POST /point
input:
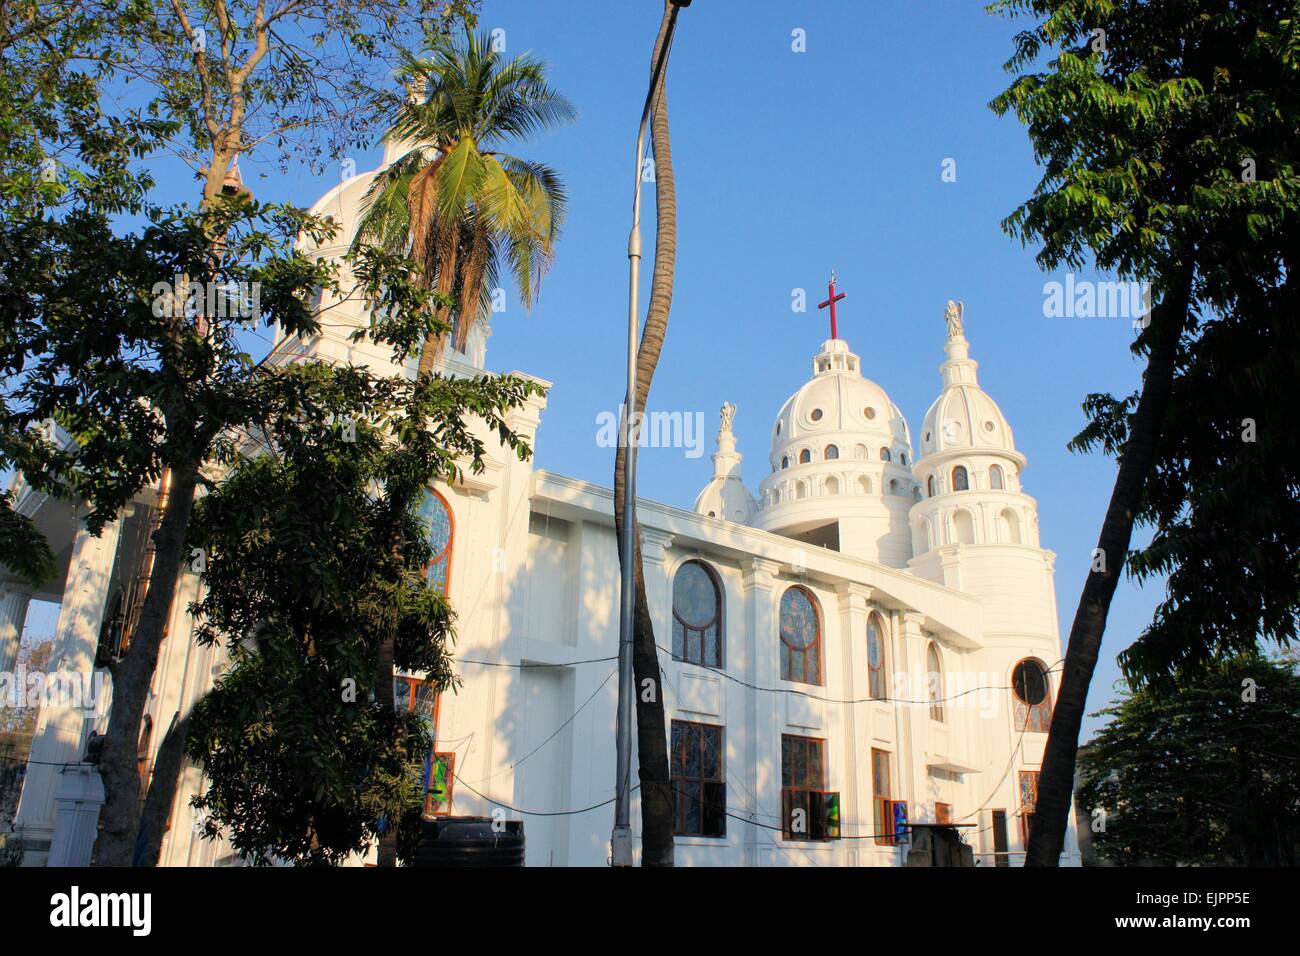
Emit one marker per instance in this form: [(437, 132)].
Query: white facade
[(534, 578)]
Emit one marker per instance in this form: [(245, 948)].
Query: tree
[(1207, 774), (304, 76), (303, 584), (465, 210), (657, 799), (1142, 121)]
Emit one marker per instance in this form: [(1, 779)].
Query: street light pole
[(621, 839)]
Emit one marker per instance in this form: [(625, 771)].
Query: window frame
[(997, 478), (1032, 718), (720, 780), (787, 649), (965, 477), (882, 801), (934, 688), (877, 675), (717, 622), (1027, 807), (444, 556), (807, 794)]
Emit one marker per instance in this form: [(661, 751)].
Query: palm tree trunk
[(1056, 781), (657, 818)]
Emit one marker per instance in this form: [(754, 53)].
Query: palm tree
[(465, 211), (654, 774)]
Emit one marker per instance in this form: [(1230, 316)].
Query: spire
[(725, 496), (726, 461), (959, 368)]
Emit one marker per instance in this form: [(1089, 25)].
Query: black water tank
[(470, 841)]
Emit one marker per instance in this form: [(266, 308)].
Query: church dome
[(964, 418), (838, 408), (840, 463)]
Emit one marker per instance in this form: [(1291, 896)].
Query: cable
[(570, 720), (542, 813), (860, 700)]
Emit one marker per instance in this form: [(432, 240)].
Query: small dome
[(838, 406), (964, 417), (726, 496)]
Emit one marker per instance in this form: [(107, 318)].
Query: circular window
[(869, 412), (1029, 681), (816, 414), (988, 426)]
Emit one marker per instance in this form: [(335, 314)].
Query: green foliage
[(1174, 148), (314, 554), (466, 209), (1206, 775)]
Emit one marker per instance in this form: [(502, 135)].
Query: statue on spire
[(955, 314), (728, 413)]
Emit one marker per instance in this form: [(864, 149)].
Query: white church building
[(866, 641)]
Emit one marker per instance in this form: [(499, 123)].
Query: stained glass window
[(699, 791), (1031, 696), (960, 480), (437, 518), (800, 638), (808, 811), (697, 615), (882, 809), (876, 658), (995, 478), (832, 453), (1028, 802)]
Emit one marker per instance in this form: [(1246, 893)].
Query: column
[(658, 589), (61, 732), (15, 598), (911, 659), (855, 805), (762, 743)]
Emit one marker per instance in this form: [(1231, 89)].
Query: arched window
[(864, 485), (805, 456), (960, 480), (832, 485), (929, 485), (436, 515), (801, 637), (876, 658), (860, 452), (1032, 696), (697, 615), (884, 454), (894, 487), (996, 481), (785, 461), (963, 527), (800, 489), (902, 458), (832, 453), (934, 682)]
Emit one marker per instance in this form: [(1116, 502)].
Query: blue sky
[(788, 165)]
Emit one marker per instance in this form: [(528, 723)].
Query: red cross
[(832, 298)]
